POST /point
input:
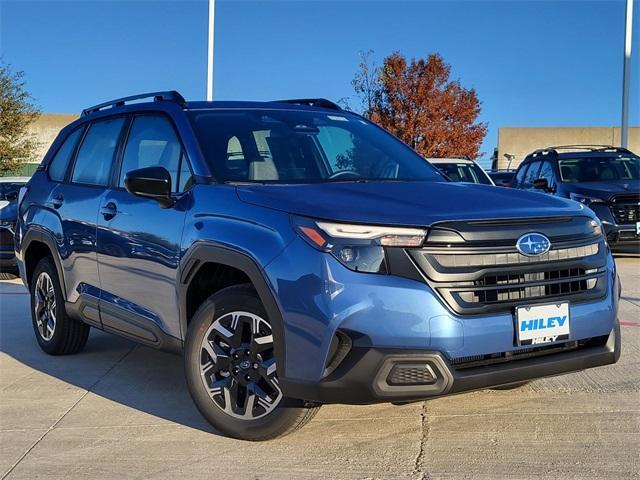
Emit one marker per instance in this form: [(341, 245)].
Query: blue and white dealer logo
[(533, 244)]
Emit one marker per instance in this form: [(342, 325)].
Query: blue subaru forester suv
[(297, 254)]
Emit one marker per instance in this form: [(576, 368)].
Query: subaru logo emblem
[(533, 244)]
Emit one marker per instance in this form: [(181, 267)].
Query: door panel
[(138, 241), (138, 260), (77, 206)]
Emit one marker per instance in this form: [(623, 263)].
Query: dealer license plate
[(538, 324)]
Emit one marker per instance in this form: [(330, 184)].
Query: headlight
[(585, 199), (597, 226), (357, 247)]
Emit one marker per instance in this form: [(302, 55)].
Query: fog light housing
[(411, 374)]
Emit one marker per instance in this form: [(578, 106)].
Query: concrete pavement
[(118, 410)]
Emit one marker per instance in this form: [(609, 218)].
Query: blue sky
[(539, 63)]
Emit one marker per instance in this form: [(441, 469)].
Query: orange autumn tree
[(421, 105)]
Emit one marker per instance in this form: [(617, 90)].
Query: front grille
[(6, 237), (475, 279), (530, 285), (514, 258), (626, 209), (460, 363)]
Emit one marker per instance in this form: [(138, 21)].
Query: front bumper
[(389, 319), (365, 378)]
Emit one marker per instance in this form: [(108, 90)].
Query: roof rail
[(168, 96), (313, 102), (589, 147)]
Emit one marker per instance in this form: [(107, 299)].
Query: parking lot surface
[(119, 410)]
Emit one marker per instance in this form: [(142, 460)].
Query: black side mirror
[(150, 182), (541, 184)]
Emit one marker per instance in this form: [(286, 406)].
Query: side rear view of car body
[(297, 255)]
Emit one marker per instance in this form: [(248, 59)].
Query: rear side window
[(153, 143), (58, 166), (547, 172), (517, 182), (532, 174), (96, 153)]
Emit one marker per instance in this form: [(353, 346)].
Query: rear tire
[(56, 332), (231, 369)]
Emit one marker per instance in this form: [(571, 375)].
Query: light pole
[(212, 13), (626, 77)]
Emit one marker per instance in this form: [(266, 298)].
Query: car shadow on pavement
[(111, 367)]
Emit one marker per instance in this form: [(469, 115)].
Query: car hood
[(405, 203), (605, 190)]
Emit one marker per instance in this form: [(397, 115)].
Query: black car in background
[(502, 178), (604, 178), (9, 188)]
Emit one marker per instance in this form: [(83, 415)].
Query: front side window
[(96, 154), (58, 166), (464, 172), (153, 142), (287, 146), (599, 169)]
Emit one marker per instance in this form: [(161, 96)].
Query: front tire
[(231, 369), (56, 332)]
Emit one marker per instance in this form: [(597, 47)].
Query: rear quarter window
[(58, 165)]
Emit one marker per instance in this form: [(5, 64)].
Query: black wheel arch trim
[(204, 252), (48, 239)]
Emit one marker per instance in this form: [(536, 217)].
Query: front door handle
[(109, 211)]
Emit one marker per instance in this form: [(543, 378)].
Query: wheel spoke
[(230, 348), (267, 369), (262, 344)]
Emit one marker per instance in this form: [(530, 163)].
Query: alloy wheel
[(45, 306), (238, 367)]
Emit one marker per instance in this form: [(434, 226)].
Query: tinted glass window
[(599, 169), (547, 172), (532, 174), (96, 153), (153, 142), (464, 172), (517, 182), (58, 166), (288, 146)]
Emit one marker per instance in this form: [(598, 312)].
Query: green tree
[(17, 113)]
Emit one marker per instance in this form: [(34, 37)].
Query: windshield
[(9, 187), (599, 169), (285, 146), (464, 172)]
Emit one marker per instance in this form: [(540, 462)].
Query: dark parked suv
[(603, 178), (297, 254)]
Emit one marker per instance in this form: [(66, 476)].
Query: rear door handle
[(57, 201), (109, 211)]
